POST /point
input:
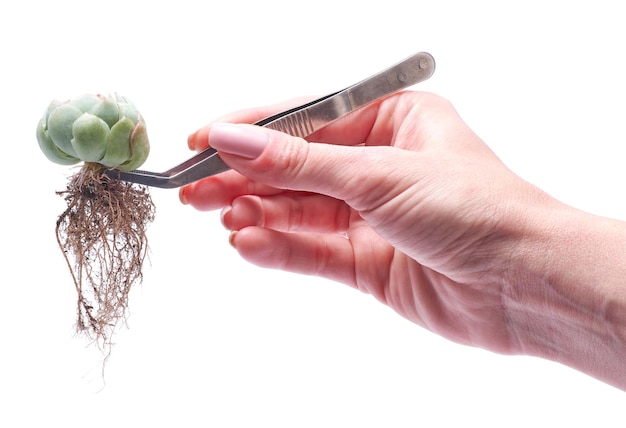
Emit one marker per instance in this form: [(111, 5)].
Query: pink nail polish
[(231, 238), (182, 195), (225, 216), (242, 140)]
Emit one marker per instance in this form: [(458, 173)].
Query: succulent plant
[(94, 128)]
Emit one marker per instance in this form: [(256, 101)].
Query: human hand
[(417, 212), (403, 201)]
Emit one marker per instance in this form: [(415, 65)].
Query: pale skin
[(402, 200)]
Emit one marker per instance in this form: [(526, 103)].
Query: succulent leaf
[(90, 135), (60, 124), (117, 147), (140, 148), (50, 149)]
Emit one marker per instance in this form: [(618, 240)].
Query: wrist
[(566, 293)]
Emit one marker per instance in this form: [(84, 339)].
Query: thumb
[(363, 176)]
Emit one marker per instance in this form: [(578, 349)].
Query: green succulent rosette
[(94, 128)]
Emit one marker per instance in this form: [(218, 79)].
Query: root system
[(102, 234)]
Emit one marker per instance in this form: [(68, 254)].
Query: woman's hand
[(403, 201)]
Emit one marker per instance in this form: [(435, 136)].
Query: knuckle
[(289, 163)]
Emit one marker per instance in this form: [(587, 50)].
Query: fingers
[(310, 234), (328, 256), (219, 191), (306, 233), (288, 212)]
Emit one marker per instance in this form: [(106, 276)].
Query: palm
[(466, 312)]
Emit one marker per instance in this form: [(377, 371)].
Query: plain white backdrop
[(213, 341)]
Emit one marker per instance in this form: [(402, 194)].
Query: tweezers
[(300, 121)]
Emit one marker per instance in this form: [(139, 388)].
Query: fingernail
[(191, 142), (231, 238), (225, 216), (241, 140), (199, 139), (182, 195)]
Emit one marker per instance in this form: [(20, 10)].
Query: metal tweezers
[(299, 121)]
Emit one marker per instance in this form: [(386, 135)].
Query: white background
[(213, 341)]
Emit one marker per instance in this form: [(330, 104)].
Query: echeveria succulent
[(94, 128)]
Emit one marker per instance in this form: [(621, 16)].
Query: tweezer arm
[(300, 121), (305, 120)]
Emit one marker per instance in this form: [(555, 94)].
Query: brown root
[(102, 234)]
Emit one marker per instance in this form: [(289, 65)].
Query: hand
[(420, 217), (403, 201)]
